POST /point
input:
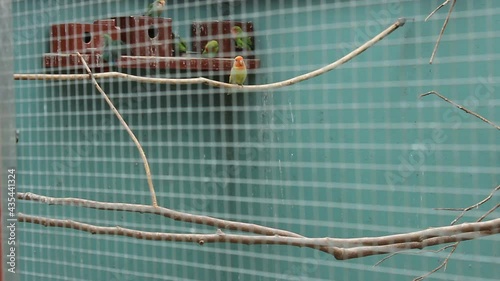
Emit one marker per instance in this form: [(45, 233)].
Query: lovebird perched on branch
[(211, 49), (241, 38), (238, 72), (112, 50), (155, 9)]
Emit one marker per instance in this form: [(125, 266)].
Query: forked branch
[(341, 248), (444, 25), (439, 235), (465, 210), (127, 128), (456, 243)]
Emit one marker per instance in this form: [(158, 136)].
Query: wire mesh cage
[(250, 140)]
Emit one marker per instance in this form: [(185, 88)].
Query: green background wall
[(325, 157)]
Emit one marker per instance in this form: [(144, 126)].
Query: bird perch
[(201, 80)]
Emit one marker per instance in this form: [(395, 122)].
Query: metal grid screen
[(353, 152)]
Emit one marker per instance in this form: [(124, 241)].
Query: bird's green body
[(241, 39), (180, 46), (155, 9), (211, 49), (238, 76), (238, 72), (112, 50)]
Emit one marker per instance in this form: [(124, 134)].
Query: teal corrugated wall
[(351, 153)]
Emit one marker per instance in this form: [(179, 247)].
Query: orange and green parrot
[(155, 9), (238, 72), (241, 39), (211, 49)]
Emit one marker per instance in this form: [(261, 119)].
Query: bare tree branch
[(437, 9), (455, 245), (443, 264), (411, 243), (412, 252), (442, 28), (418, 236), (489, 212), (331, 248), (464, 210), (460, 107), (127, 128), (439, 235), (161, 211), (201, 80)]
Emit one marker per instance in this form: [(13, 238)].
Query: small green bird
[(238, 72), (155, 9), (241, 39), (211, 49), (180, 46), (112, 50)]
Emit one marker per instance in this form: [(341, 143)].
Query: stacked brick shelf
[(150, 45)]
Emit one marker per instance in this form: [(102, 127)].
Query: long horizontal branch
[(161, 211), (201, 80), (418, 236), (443, 235)]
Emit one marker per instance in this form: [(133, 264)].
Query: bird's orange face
[(234, 30), (238, 61), (162, 2)]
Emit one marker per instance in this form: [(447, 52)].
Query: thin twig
[(464, 210), (489, 212), (442, 28), (201, 80), (443, 264), (437, 9), (412, 252), (455, 245), (127, 128), (461, 232), (460, 107)]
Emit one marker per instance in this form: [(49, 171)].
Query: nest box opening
[(87, 37), (152, 31)]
